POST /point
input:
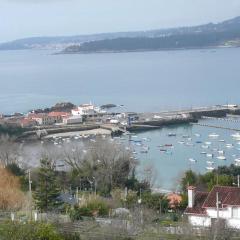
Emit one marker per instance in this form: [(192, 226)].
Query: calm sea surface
[(147, 81)]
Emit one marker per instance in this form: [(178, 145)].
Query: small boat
[(144, 151), (221, 140), (172, 134), (221, 152), (192, 160), (229, 146), (236, 135), (185, 136), (203, 153), (197, 135), (189, 144), (205, 146), (221, 157), (210, 155), (163, 150), (213, 135), (210, 168), (160, 146), (198, 142), (208, 143), (215, 149), (168, 145), (181, 142), (237, 160)]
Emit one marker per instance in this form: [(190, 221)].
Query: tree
[(47, 192), (104, 164), (190, 178), (9, 150)]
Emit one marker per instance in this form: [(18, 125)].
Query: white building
[(73, 120), (221, 203), (83, 110)]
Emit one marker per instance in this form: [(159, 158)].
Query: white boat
[(192, 160), (189, 144), (205, 146), (221, 152), (229, 146), (208, 143), (213, 135), (210, 168), (221, 140), (221, 157), (237, 160), (181, 142), (197, 135), (210, 155), (236, 135)]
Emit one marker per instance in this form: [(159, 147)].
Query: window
[(235, 212)]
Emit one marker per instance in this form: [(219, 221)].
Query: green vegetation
[(48, 191), (11, 131), (224, 176)]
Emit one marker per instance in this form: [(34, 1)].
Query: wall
[(199, 221)]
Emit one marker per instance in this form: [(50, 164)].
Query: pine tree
[(47, 192)]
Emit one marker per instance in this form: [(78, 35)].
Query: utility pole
[(217, 205), (238, 181), (30, 192)]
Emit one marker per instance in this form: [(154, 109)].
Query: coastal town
[(87, 174)]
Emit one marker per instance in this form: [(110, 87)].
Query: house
[(42, 118), (72, 120), (222, 203), (27, 122), (58, 116)]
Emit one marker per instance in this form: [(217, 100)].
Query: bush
[(32, 231), (91, 209)]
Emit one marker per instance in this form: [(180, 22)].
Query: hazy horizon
[(28, 18)]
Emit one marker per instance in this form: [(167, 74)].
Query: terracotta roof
[(226, 195), (198, 209)]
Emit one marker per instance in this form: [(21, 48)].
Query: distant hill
[(226, 33)]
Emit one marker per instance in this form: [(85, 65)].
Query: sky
[(29, 18)]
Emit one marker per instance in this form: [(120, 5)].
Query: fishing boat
[(221, 157)]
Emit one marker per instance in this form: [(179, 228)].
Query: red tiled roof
[(198, 209), (226, 195)]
